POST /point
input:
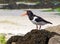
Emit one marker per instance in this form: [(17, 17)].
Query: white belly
[(38, 23)]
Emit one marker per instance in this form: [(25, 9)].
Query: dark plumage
[(39, 19)]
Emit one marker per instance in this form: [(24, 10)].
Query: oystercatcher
[(38, 21)]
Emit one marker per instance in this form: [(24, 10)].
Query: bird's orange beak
[(23, 14)]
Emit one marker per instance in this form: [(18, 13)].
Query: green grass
[(2, 39), (50, 10), (57, 9), (47, 11)]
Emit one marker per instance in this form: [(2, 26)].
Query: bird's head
[(27, 12)]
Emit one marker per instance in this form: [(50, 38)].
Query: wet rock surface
[(33, 37)]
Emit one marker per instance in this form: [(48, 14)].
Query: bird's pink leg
[(39, 27), (36, 26)]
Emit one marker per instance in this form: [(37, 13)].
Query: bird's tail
[(49, 22)]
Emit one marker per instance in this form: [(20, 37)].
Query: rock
[(33, 37), (13, 39), (36, 37), (54, 40), (13, 43), (54, 29)]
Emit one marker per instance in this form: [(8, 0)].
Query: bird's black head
[(29, 12)]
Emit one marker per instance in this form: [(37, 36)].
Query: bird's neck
[(31, 16)]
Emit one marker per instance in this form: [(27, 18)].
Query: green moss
[(2, 39)]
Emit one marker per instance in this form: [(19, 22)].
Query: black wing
[(39, 19)]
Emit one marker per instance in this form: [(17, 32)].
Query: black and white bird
[(38, 21)]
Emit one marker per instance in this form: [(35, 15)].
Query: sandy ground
[(12, 22)]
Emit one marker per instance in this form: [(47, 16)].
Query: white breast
[(37, 23), (33, 21), (34, 18)]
